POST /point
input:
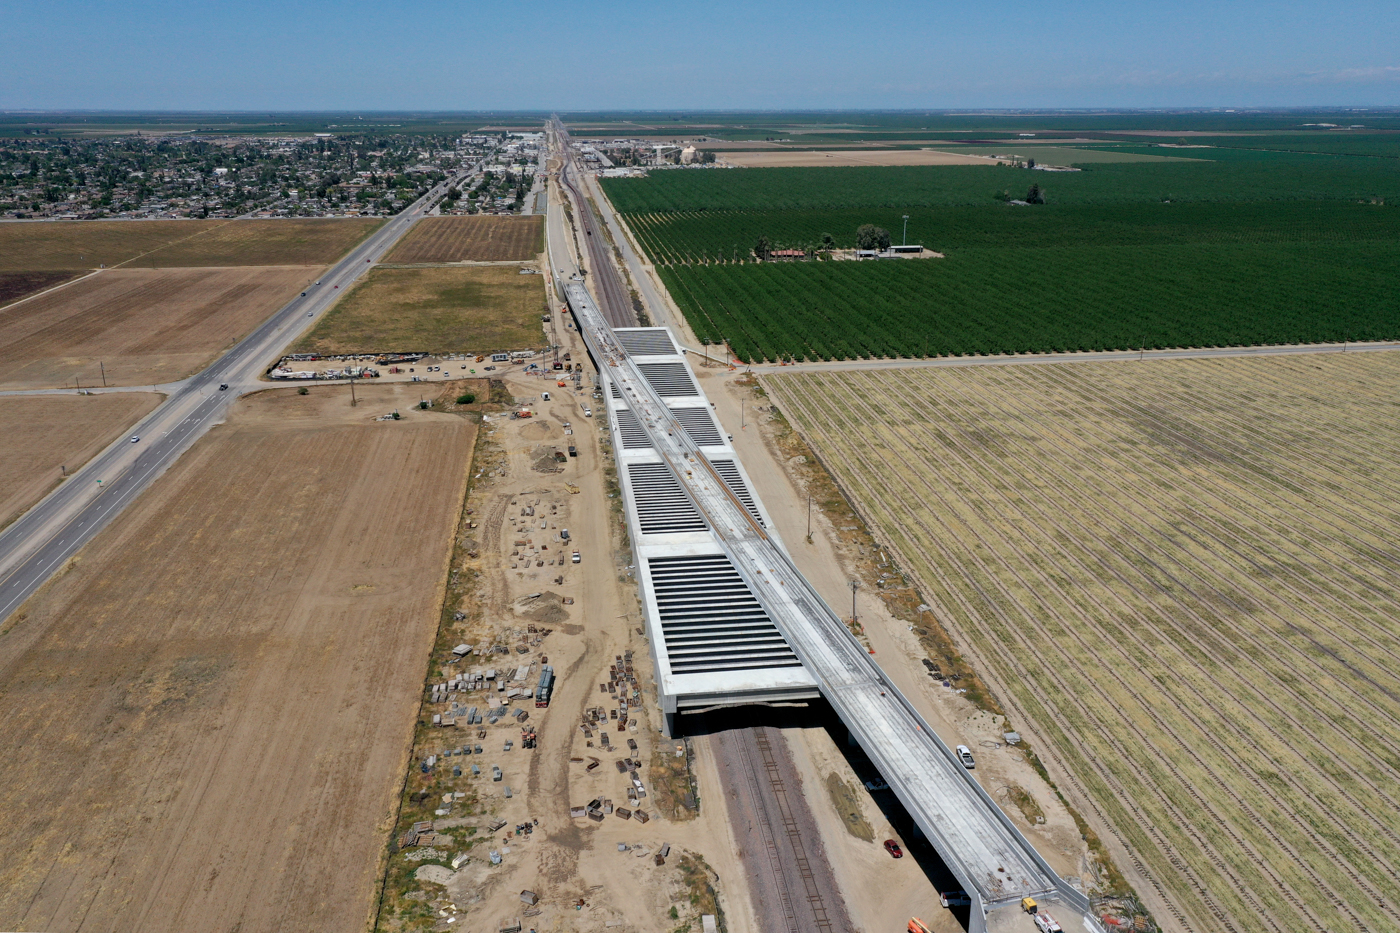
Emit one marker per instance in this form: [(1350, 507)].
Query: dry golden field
[(45, 433), (207, 717), (1183, 579), (145, 326), (479, 239), (477, 309), (73, 245)]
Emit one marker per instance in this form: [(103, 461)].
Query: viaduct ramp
[(794, 641)]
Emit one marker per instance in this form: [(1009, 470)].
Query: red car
[(893, 849)]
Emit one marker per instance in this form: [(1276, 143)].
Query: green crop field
[(1052, 298), (786, 189), (727, 236)]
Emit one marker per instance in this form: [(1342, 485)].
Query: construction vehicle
[(917, 926), (1045, 923), (1028, 905)]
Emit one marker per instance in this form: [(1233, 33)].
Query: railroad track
[(779, 825)]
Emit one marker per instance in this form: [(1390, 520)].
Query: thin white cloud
[(1376, 75)]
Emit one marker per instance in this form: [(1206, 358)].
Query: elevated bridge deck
[(996, 864)]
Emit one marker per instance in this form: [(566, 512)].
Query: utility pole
[(854, 585), (809, 518), (352, 391), (905, 239), (741, 414), (104, 373)]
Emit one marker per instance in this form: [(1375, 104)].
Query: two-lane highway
[(39, 542)]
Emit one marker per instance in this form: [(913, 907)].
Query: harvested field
[(28, 247), (207, 717), (44, 433), (845, 157), (50, 246), (1181, 578), (477, 309), (145, 326), (16, 285), (471, 239), (302, 242)]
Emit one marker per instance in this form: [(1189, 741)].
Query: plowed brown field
[(41, 247), (144, 326), (15, 285), (479, 239), (44, 433), (206, 719), (1182, 578)]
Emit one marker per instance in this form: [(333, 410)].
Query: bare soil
[(16, 285), (502, 588), (843, 157), (206, 716), (46, 433), (471, 239), (73, 245), (144, 326)]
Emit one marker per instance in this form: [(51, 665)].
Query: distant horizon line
[(959, 111)]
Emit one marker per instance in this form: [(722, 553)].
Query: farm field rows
[(207, 716), (47, 432), (471, 239), (15, 285), (145, 326), (1048, 299), (900, 187), (1181, 579), (727, 236), (75, 245), (476, 309)]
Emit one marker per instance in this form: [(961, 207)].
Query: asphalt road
[(41, 540), (613, 299)]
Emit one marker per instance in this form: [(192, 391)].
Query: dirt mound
[(547, 608), (543, 461)]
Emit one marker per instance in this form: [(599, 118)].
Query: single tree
[(828, 241), (763, 247), (1035, 195)]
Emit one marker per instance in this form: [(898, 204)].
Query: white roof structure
[(711, 641)]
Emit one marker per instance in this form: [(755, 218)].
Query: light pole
[(854, 585), (809, 518), (905, 239)]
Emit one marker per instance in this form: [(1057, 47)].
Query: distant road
[(41, 540)]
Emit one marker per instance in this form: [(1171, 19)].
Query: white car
[(587, 412), (954, 899), (965, 756), (1046, 923), (135, 438)]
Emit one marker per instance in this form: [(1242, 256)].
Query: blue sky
[(426, 54)]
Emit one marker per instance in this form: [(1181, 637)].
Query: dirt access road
[(207, 715), (510, 586)]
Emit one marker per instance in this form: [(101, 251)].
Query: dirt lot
[(475, 309), (144, 326), (47, 432), (15, 285), (843, 157), (47, 247), (207, 716), (471, 239), (516, 588), (1178, 579)]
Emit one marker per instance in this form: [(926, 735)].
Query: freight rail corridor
[(979, 844)]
